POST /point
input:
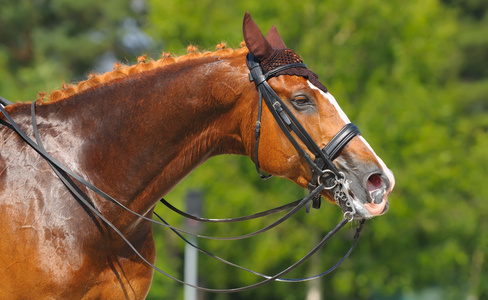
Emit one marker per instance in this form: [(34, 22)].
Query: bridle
[(323, 169), (325, 176)]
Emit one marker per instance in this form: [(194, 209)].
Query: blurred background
[(413, 75)]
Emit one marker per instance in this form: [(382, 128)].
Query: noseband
[(323, 169)]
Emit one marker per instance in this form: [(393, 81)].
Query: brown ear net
[(272, 53), (283, 57)]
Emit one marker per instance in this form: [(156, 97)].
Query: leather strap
[(282, 68), (257, 137), (340, 140), (5, 102)]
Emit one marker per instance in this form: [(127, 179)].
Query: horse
[(135, 133)]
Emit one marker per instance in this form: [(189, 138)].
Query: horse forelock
[(122, 71)]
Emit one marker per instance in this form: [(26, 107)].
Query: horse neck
[(140, 136)]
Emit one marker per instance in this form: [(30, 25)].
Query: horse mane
[(121, 71)]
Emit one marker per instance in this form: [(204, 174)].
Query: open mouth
[(374, 204), (364, 210)]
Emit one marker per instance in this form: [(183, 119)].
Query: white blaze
[(346, 120), (344, 117), (332, 101)]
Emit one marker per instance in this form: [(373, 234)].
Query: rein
[(325, 177)]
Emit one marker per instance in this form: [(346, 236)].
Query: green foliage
[(394, 68), (45, 43), (412, 75)]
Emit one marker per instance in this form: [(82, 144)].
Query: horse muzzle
[(364, 199)]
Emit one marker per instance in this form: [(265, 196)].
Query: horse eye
[(301, 101)]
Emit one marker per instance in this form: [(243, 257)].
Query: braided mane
[(122, 71)]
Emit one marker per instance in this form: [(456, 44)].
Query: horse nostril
[(375, 181), (376, 188)]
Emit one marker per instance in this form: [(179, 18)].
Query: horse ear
[(255, 40), (275, 39)]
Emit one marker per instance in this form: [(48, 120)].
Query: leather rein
[(325, 176)]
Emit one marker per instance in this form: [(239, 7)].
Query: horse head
[(365, 179)]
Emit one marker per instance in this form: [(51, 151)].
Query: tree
[(411, 75), (394, 71), (46, 43)]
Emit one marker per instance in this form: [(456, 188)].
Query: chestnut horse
[(135, 133)]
